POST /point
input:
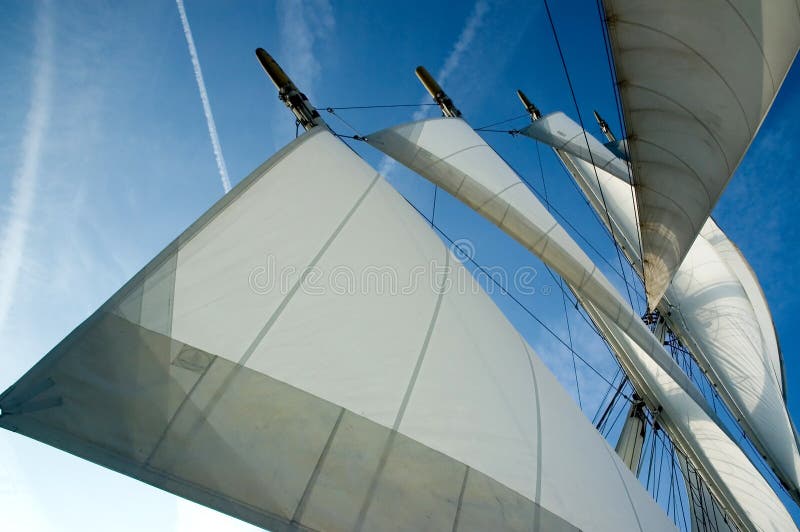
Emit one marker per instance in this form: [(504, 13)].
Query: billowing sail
[(717, 308), (696, 80), (448, 152), (309, 355)]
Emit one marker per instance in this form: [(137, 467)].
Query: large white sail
[(718, 310), (323, 401), (696, 80)]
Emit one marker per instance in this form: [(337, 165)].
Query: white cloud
[(201, 86), (462, 44), (304, 24), (23, 188)]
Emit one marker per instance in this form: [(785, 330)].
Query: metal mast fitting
[(305, 113), (439, 96), (604, 127), (532, 109)]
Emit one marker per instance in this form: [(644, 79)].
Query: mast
[(436, 92), (297, 102), (533, 111), (604, 127)]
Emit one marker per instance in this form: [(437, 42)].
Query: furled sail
[(450, 154), (717, 308), (696, 80), (293, 359)]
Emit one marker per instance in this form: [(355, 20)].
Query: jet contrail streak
[(201, 86), (23, 186)]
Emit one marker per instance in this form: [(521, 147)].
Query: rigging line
[(524, 115), (345, 122), (605, 396), (516, 300), (560, 283), (433, 210), (610, 406), (620, 116), (588, 147), (380, 106)]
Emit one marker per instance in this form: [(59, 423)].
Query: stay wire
[(388, 106), (586, 139), (486, 127)]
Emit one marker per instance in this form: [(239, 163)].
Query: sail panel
[(696, 80), (561, 132), (452, 155), (341, 407)]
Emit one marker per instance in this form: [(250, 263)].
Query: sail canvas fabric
[(695, 80), (317, 404)]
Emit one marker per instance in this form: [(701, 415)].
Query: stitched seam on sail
[(702, 58)]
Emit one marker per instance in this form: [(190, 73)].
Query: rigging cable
[(586, 139)]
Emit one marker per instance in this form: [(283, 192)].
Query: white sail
[(561, 132), (448, 152), (322, 401), (717, 308), (696, 80)]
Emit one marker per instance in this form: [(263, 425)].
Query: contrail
[(201, 86), (23, 187), (452, 62)]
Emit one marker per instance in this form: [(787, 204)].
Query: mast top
[(305, 113), (604, 127), (532, 109), (439, 96)]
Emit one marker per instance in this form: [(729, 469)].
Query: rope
[(330, 109), (482, 128)]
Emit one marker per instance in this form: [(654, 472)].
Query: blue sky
[(105, 156)]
